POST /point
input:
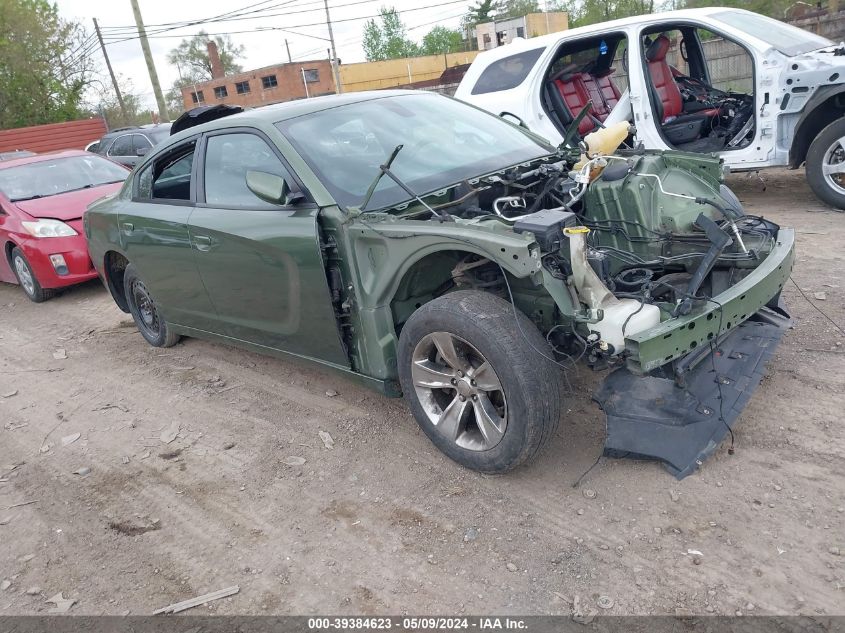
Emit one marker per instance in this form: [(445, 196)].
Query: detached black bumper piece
[(655, 418)]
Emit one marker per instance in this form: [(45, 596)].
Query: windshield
[(444, 141), (58, 175), (788, 39)]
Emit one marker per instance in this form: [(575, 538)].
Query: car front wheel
[(145, 312), (825, 166), (28, 280), (478, 382)]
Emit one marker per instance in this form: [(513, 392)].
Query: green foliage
[(191, 59), (584, 12), (441, 40), (191, 56), (771, 8), (45, 64), (387, 38), (482, 11), (507, 9), (108, 107)]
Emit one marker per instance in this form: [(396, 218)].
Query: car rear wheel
[(28, 280), (476, 381), (825, 166), (145, 312)]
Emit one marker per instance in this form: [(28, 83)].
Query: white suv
[(758, 92)]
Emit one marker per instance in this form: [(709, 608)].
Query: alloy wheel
[(833, 166), (25, 275), (459, 391)]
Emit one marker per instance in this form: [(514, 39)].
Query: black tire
[(145, 312), (27, 279), (825, 149), (484, 324)]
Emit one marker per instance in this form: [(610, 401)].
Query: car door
[(121, 151), (154, 236), (261, 262)]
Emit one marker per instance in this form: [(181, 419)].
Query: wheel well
[(811, 124), (115, 266), (438, 273), (7, 251)]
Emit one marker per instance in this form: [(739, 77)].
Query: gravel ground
[(123, 522)]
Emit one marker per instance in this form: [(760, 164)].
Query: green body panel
[(377, 251), (638, 198), (154, 237), (674, 338), (266, 279)]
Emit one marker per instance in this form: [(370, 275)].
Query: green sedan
[(432, 250)]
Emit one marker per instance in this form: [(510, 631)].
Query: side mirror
[(142, 151), (272, 188)]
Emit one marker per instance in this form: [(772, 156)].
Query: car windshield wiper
[(35, 197), (385, 171)]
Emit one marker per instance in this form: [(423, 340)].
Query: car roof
[(291, 109), (67, 153), (518, 45)]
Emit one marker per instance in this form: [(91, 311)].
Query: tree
[(191, 59), (191, 56), (772, 8), (506, 9), (389, 39), (482, 12), (584, 12), (103, 102), (441, 40), (45, 64)]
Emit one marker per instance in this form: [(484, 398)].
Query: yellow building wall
[(545, 23), (395, 72)]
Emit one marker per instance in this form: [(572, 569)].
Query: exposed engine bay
[(642, 262), (632, 246)]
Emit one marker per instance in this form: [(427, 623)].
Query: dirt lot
[(382, 523)]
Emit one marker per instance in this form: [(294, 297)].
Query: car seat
[(678, 127)]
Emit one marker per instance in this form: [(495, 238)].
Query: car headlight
[(49, 228)]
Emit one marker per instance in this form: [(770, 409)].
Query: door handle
[(204, 243), (128, 228)]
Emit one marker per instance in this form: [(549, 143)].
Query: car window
[(168, 177), (507, 73), (140, 142), (728, 63), (227, 159), (443, 142), (122, 146)]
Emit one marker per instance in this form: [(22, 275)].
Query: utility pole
[(337, 87), (111, 73), (148, 56), (290, 61)]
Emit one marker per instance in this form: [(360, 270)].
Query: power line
[(223, 17), (355, 19), (266, 15), (358, 39)]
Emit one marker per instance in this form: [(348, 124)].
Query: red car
[(42, 199)]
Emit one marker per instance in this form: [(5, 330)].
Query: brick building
[(262, 86)]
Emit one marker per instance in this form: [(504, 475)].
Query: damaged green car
[(435, 251)]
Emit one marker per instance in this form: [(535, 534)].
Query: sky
[(304, 19)]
